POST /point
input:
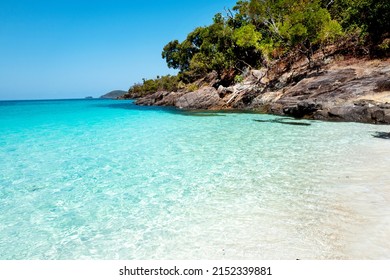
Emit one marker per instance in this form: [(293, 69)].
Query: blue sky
[(76, 48)]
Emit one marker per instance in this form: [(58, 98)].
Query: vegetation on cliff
[(257, 33), (163, 83)]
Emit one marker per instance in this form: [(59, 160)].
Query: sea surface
[(107, 180)]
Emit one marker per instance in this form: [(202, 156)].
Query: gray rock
[(340, 94), (204, 98), (350, 113), (223, 91), (356, 90), (152, 99), (210, 79), (302, 109)]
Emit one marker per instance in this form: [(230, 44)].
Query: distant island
[(113, 94)]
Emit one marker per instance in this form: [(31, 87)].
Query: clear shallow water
[(98, 179)]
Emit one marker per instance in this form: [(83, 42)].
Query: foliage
[(219, 46), (247, 37), (192, 87), (370, 16), (164, 83), (238, 79), (256, 32), (385, 45)]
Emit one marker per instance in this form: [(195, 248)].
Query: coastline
[(351, 90)]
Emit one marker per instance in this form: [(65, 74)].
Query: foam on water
[(98, 179)]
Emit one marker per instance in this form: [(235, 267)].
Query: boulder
[(223, 91), (151, 99), (302, 109), (210, 79), (204, 98), (351, 113)]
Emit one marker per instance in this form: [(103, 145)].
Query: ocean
[(108, 180)]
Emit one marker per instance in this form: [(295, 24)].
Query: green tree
[(307, 25), (290, 24), (247, 37), (255, 32), (371, 17)]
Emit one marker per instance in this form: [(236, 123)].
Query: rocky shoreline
[(356, 90)]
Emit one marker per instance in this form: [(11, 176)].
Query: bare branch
[(229, 13), (330, 3)]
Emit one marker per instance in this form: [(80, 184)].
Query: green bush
[(238, 79), (192, 87), (164, 83)]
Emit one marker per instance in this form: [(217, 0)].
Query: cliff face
[(344, 90)]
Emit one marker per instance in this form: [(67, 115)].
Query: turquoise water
[(98, 179)]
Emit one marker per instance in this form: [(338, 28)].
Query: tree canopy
[(256, 32)]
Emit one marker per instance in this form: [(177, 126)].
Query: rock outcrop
[(343, 90), (205, 98), (160, 98), (355, 92)]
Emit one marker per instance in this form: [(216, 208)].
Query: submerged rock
[(283, 121), (382, 135)]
